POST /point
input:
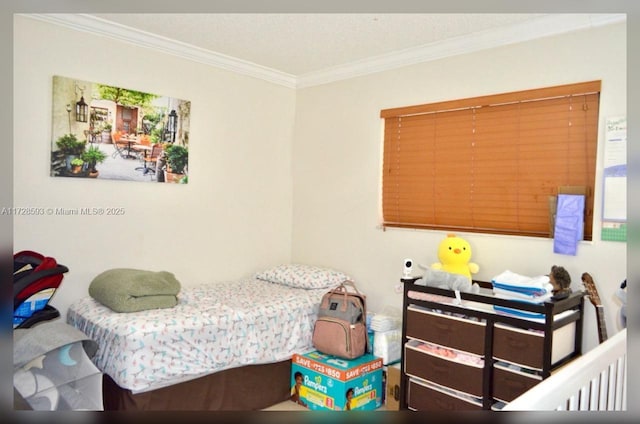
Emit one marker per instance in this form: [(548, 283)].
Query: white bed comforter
[(213, 327)]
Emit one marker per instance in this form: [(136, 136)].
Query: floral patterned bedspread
[(213, 327)]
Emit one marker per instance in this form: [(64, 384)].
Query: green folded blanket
[(132, 290)]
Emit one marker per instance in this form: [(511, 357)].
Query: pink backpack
[(340, 329)]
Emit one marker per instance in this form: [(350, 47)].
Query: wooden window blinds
[(490, 164)]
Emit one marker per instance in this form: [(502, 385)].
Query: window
[(490, 164)]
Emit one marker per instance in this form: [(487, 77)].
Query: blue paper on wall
[(569, 225)]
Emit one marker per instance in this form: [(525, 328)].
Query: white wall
[(337, 166), (234, 216)]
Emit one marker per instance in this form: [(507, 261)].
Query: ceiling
[(303, 49), (302, 43)]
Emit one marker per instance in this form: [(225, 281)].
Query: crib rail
[(595, 381)]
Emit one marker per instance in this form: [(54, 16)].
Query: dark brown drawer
[(508, 384), (456, 375), (423, 398), (457, 333), (518, 346)]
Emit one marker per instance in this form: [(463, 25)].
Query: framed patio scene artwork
[(104, 132)]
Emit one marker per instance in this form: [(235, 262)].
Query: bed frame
[(246, 388), (596, 381)]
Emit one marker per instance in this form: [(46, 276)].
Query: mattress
[(213, 327)]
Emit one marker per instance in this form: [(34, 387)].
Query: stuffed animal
[(455, 253), (447, 280), (561, 282)]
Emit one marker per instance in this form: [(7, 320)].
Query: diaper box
[(323, 382)]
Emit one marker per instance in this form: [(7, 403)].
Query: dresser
[(459, 354)]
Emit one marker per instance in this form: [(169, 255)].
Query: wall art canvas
[(105, 132)]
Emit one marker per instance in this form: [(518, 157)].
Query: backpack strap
[(369, 348), (342, 289)]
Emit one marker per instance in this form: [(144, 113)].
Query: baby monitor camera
[(408, 268)]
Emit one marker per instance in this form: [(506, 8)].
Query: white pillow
[(303, 276)]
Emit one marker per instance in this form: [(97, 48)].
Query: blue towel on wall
[(568, 230)]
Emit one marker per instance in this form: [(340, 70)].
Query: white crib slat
[(619, 383), (602, 394), (624, 386), (593, 394), (612, 386), (584, 398), (572, 403)]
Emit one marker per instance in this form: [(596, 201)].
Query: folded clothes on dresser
[(512, 295), (510, 285), (518, 313)]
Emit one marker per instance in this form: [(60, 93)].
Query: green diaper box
[(320, 381)]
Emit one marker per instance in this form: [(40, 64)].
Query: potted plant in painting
[(76, 165), (106, 133), (71, 147), (93, 156), (177, 158)]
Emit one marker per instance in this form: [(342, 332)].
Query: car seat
[(35, 279)]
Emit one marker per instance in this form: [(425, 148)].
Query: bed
[(223, 346)]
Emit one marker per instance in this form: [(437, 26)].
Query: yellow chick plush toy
[(455, 253)]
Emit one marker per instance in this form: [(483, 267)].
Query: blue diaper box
[(328, 381)]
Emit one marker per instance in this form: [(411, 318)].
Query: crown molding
[(539, 28), (548, 25), (101, 27)]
